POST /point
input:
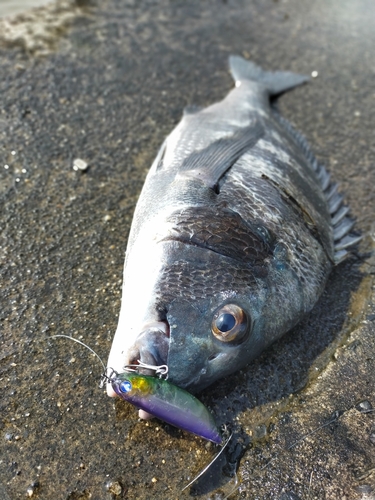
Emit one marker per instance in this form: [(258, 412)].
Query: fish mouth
[(150, 348)]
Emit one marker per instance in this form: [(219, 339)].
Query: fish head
[(199, 313), (204, 302)]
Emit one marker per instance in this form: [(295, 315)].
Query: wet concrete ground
[(107, 89)]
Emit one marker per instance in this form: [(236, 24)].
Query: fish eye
[(230, 324), (125, 386)]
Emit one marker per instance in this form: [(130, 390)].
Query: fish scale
[(234, 236)]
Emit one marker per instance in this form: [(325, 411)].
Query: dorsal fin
[(209, 164), (341, 223)]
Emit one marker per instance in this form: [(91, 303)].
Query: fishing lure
[(160, 398), (171, 404), (167, 402)]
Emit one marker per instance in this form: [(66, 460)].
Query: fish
[(234, 235)]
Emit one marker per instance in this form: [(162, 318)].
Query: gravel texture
[(105, 85)]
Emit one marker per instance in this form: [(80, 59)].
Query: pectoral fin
[(211, 163)]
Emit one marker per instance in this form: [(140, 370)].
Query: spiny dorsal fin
[(341, 223)]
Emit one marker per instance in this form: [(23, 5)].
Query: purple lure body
[(167, 402)]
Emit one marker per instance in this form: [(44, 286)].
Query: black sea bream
[(233, 238)]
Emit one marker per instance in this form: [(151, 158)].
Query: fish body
[(234, 235)]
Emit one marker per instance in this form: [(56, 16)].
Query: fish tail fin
[(276, 82)]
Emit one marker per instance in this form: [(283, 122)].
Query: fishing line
[(81, 343), (302, 438), (210, 463), (336, 415), (160, 371)]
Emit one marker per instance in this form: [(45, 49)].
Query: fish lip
[(146, 350), (146, 358), (110, 391), (151, 347)]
